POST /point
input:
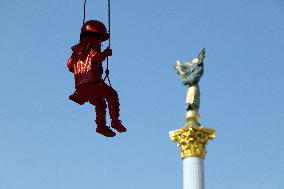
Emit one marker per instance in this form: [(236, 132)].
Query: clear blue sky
[(46, 141)]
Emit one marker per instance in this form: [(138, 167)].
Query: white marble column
[(193, 173)]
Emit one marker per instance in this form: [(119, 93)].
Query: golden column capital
[(192, 140)]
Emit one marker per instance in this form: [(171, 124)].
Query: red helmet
[(95, 26)]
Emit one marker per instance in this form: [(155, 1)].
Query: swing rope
[(107, 70), (85, 2)]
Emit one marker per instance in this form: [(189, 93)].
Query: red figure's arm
[(70, 63), (107, 52)]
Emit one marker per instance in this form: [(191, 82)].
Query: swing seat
[(76, 98), (86, 92)]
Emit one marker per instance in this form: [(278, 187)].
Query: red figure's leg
[(100, 105), (112, 99)]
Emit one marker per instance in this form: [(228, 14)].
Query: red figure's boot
[(116, 124), (103, 129), (106, 131)]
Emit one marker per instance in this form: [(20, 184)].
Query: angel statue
[(190, 74)]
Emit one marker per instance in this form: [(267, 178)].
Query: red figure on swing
[(86, 64)]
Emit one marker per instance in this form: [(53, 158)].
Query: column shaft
[(193, 173)]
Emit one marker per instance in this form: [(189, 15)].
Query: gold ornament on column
[(192, 140)]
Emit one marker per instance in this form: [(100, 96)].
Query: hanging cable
[(85, 2), (107, 70), (109, 22)]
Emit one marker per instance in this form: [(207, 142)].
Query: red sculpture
[(86, 64)]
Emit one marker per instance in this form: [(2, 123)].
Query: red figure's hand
[(108, 51)]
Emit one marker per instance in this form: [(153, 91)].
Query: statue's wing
[(201, 55), (198, 59), (180, 68)]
